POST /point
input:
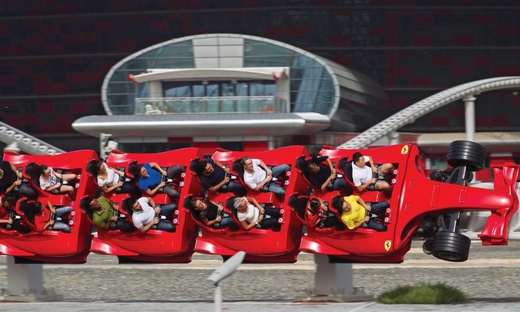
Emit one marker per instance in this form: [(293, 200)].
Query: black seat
[(238, 168), (299, 204), (346, 166)]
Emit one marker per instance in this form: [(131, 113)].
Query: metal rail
[(26, 142), (423, 107)]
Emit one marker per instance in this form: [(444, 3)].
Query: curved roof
[(321, 79)]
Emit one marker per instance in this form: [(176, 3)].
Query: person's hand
[(10, 221), (157, 209), (121, 173), (333, 171), (59, 176), (120, 184), (260, 218), (269, 178), (374, 169), (226, 179), (218, 219), (162, 184), (19, 174), (226, 169), (269, 171), (367, 218), (155, 220), (51, 222), (373, 180), (116, 206), (220, 207), (53, 210), (333, 174), (113, 218), (17, 182)]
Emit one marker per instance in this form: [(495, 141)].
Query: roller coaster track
[(423, 107), (25, 142)]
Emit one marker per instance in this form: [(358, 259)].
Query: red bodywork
[(54, 246), (260, 245), (413, 197), (155, 245)]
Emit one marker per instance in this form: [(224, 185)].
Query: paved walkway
[(491, 278)]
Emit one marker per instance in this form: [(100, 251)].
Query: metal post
[(469, 113), (218, 298), (103, 141), (394, 138)]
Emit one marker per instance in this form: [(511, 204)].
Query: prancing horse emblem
[(388, 244)]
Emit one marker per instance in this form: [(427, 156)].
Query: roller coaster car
[(155, 246), (126, 161), (54, 246), (418, 204), (260, 245)]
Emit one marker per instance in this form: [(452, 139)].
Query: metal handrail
[(210, 105)]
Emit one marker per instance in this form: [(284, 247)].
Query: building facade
[(55, 54)]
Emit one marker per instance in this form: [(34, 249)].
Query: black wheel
[(451, 246), (467, 153), (427, 246)]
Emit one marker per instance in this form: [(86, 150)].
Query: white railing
[(210, 105)]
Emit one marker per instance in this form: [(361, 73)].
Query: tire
[(450, 246), (467, 153), (427, 246)]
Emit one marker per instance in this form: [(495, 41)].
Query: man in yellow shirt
[(355, 212)]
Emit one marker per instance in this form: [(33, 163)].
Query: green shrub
[(423, 294)]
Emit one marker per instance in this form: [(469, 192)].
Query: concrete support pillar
[(333, 282), (24, 279), (469, 112), (25, 283), (332, 278)]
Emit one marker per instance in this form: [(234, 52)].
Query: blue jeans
[(270, 222), (237, 188), (61, 226), (278, 171), (167, 225), (377, 208), (226, 221), (340, 184)]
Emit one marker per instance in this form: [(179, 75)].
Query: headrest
[(346, 166), (238, 168), (299, 203)]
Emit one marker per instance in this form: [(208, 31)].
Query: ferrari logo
[(404, 150), (388, 244)]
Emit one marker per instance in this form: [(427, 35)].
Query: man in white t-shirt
[(257, 174), (145, 214), (366, 175)]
